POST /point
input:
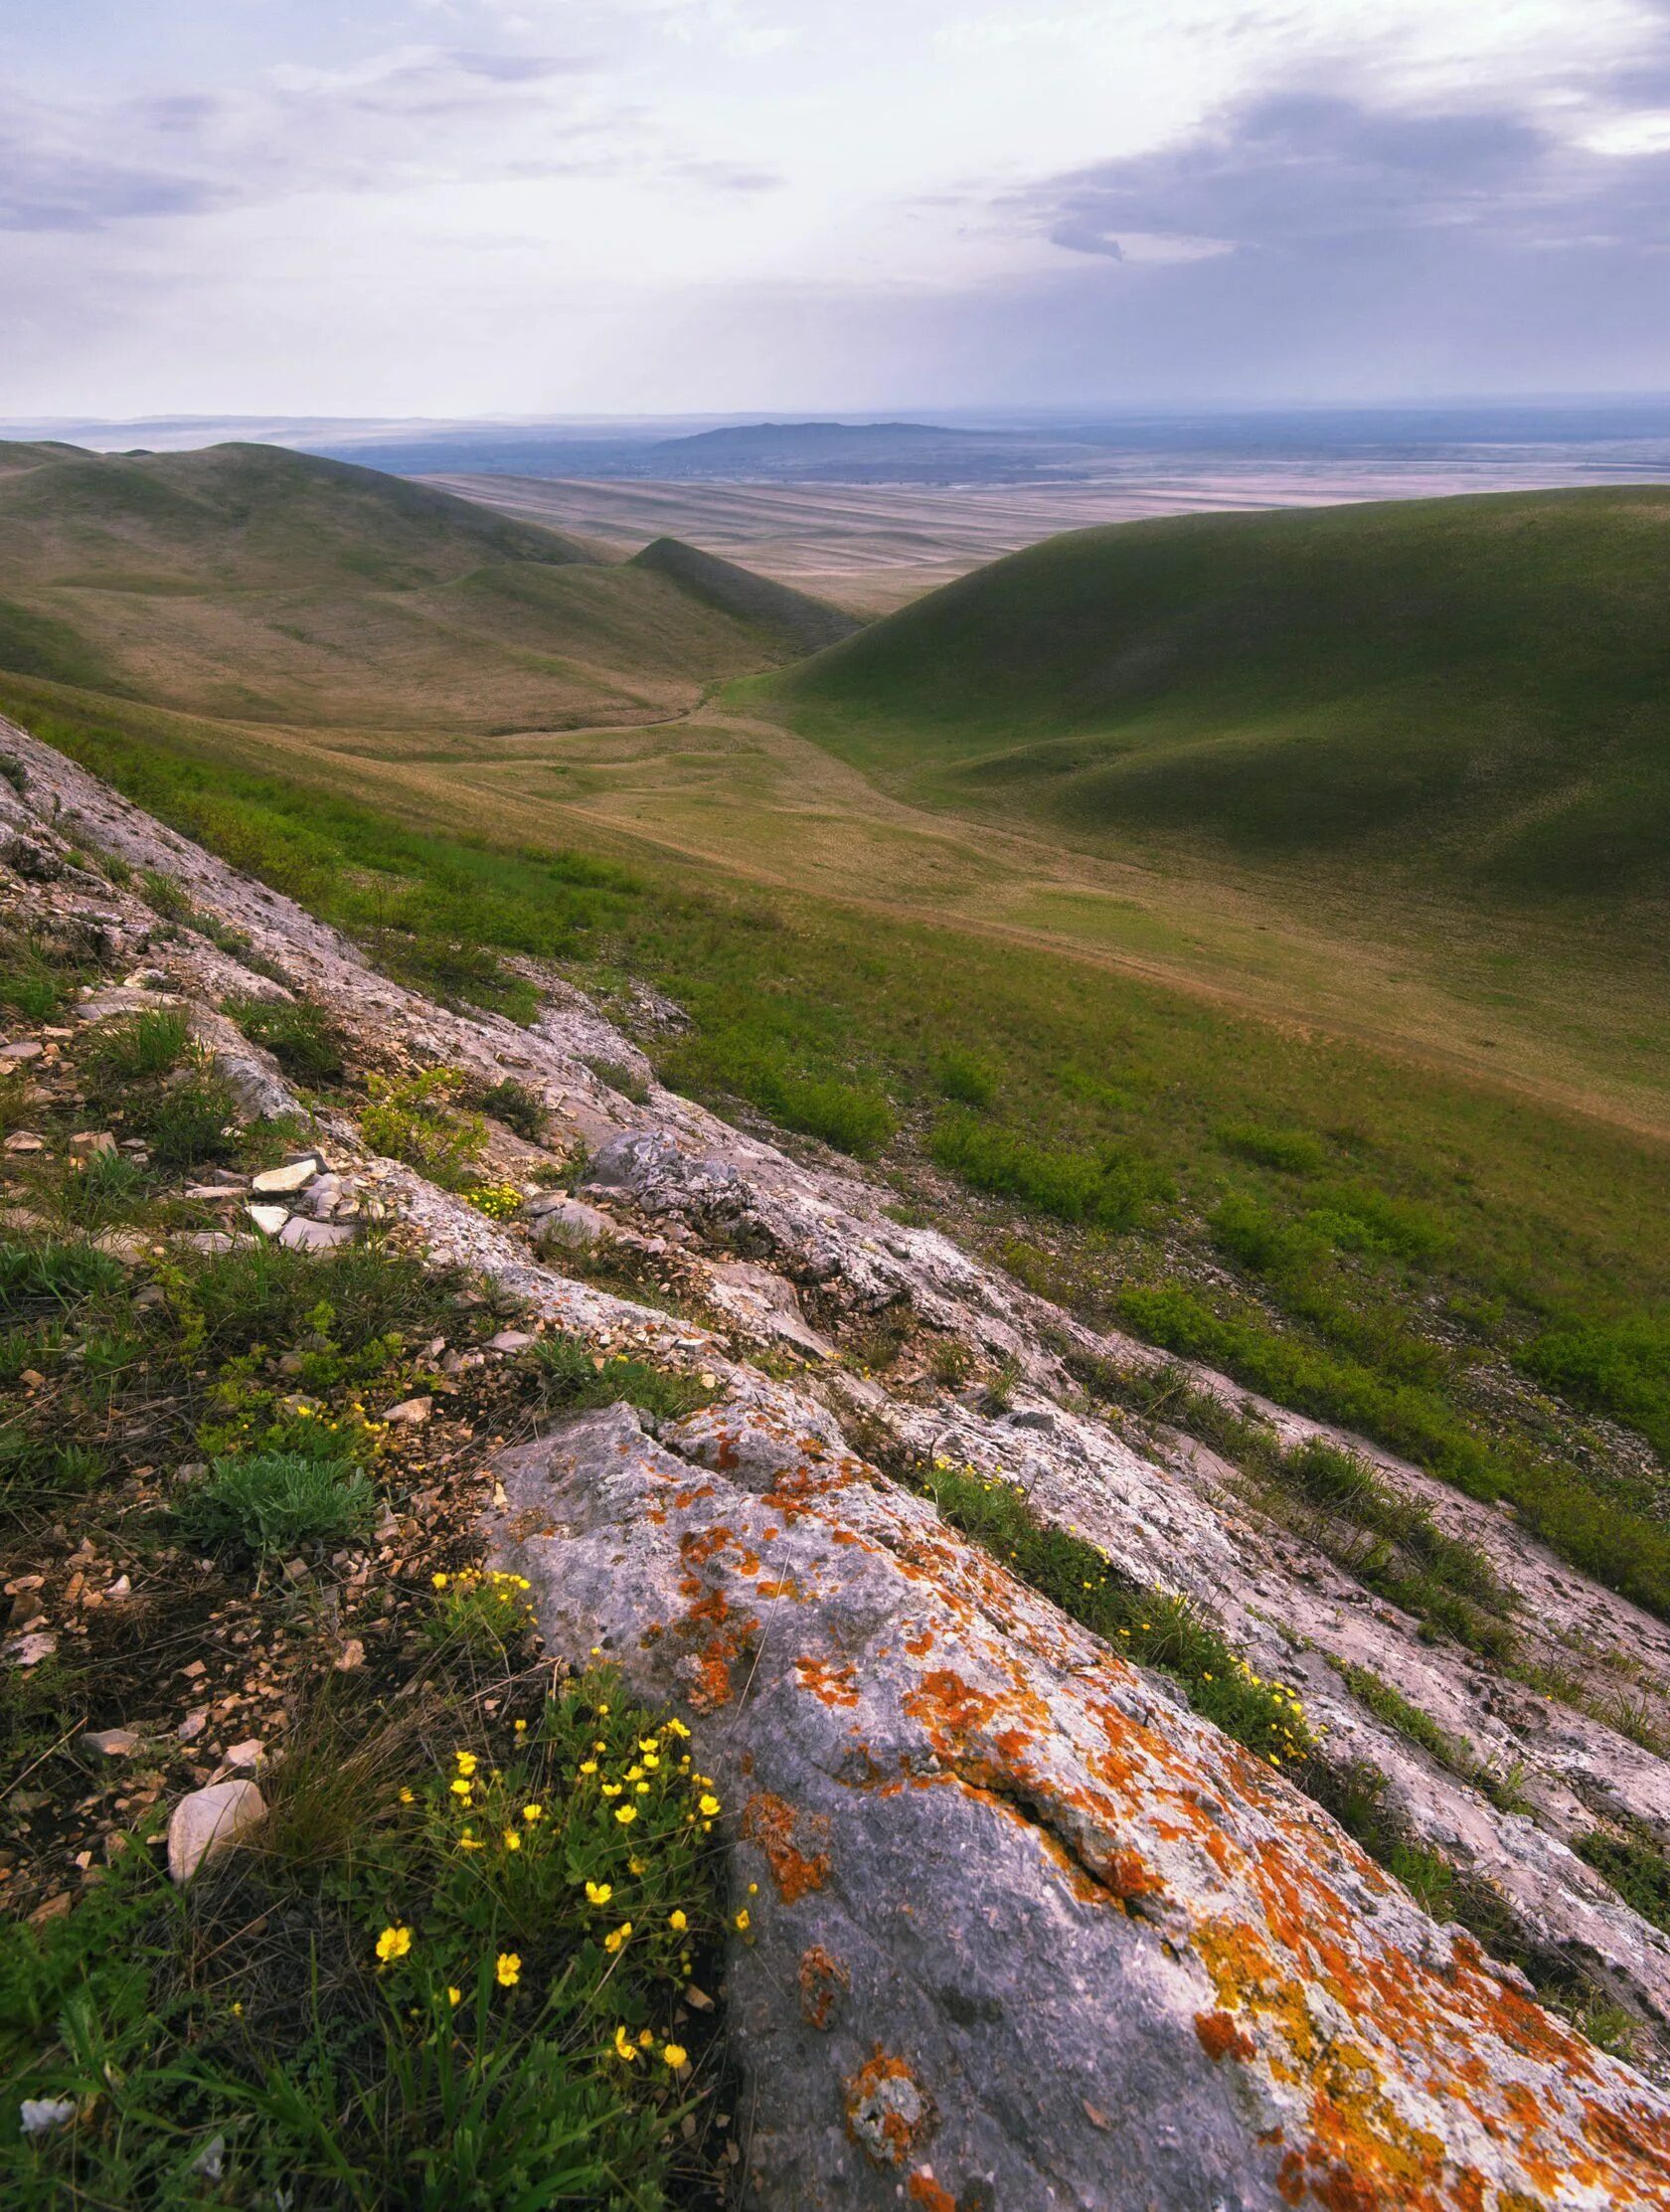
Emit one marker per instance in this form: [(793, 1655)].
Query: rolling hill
[(1468, 692), (252, 582)]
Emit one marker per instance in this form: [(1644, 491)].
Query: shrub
[(411, 1118), (843, 1115), (274, 1501), (966, 1080), (517, 1107), (1622, 1369), (1106, 1194), (619, 1076), (301, 1036), (190, 1121), (1294, 1151), (1636, 1867)]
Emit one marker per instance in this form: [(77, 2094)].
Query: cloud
[(403, 119), (1302, 172)]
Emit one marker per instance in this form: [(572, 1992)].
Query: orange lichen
[(823, 1982), (1221, 2038), (922, 2188), (773, 1823), (833, 1685), (889, 2112)]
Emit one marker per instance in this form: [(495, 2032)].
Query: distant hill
[(1475, 691), (803, 623), (254, 583)]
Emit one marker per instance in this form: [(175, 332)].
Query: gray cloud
[(1301, 172)]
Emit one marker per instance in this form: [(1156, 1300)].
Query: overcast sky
[(547, 207)]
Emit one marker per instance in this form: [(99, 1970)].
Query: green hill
[(252, 582), (1472, 691)]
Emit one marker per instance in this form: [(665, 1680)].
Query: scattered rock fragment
[(294, 1175), (27, 1048), (111, 1743), (410, 1410), (269, 1220), (209, 1821), (302, 1235), (25, 1141)]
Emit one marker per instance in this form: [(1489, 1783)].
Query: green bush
[(1621, 1370), (301, 1036), (51, 1272), (412, 1118), (1636, 1867), (517, 1107), (965, 1078), (843, 1115), (1106, 1193), (1294, 1151), (275, 1501)]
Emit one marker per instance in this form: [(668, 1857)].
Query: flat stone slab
[(294, 1175), (303, 1234)]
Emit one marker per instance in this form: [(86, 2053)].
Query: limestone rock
[(1091, 1953), (569, 1222), (209, 1821), (269, 1220), (303, 1234), (294, 1175)]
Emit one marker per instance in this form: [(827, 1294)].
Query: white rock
[(112, 1743), (411, 1410), (269, 1220), (25, 1141), (302, 1235), (247, 1755), (293, 1175), (29, 1650), (510, 1341), (209, 1821), (26, 1048)]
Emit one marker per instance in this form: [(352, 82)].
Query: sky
[(537, 208)]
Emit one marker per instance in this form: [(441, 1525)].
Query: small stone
[(192, 1727), (27, 1048), (247, 1755), (294, 1175), (87, 1142), (210, 1240), (269, 1220), (410, 1410), (510, 1341), (25, 1141), (111, 1743), (29, 1650), (209, 1821), (350, 1655), (121, 1587), (302, 1235), (211, 2159)]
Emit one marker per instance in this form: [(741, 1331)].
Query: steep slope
[(803, 623), (1472, 690), (1011, 1920), (248, 581)]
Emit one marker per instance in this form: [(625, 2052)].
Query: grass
[(472, 2005), (573, 1379), (301, 1036), (1635, 1865), (1369, 1241), (277, 1502), (414, 1119), (1461, 690)]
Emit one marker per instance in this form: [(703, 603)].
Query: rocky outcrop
[(1026, 1931)]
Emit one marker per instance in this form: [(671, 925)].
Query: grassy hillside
[(1469, 693), (251, 582)]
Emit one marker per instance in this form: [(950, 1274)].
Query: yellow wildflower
[(617, 1937), (440, 1581), (508, 1967), (513, 1839), (743, 1921), (588, 1766), (598, 1893), (624, 2048), (678, 1921), (454, 1996), (393, 1943), (468, 1762), (709, 1807), (462, 1788), (625, 1815), (611, 1789), (674, 2055), (531, 1813)]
